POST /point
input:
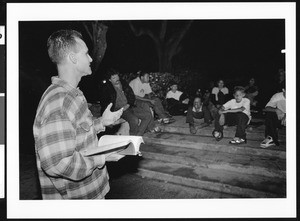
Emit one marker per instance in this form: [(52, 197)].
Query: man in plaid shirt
[(63, 126)]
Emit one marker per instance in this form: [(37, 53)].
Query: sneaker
[(237, 140), (218, 135), (268, 142)]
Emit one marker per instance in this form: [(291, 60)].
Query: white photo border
[(192, 208)]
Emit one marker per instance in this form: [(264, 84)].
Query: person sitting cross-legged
[(234, 112), (275, 118), (197, 111), (177, 101), (146, 99)]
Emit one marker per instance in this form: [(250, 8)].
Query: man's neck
[(68, 75)]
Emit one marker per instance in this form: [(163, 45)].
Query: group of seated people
[(140, 105)]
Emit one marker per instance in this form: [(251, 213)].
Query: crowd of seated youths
[(212, 105)]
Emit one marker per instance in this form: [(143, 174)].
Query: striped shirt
[(63, 127)]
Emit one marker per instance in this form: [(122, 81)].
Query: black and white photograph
[(147, 107)]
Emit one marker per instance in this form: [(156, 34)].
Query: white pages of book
[(124, 145)]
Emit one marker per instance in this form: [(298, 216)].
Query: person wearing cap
[(177, 101)]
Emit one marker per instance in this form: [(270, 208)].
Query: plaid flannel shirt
[(63, 127)]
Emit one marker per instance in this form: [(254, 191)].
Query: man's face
[(83, 64), (238, 96), (197, 103), (145, 78), (115, 79)]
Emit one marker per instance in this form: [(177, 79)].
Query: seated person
[(275, 118), (121, 95), (177, 101), (234, 112), (197, 111), (219, 94), (145, 97), (251, 91)]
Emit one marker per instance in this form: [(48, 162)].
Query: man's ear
[(72, 57)]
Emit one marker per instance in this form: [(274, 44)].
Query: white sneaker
[(268, 142)]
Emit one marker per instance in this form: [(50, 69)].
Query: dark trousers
[(231, 119), (157, 107), (271, 125), (132, 116), (175, 107), (205, 113)]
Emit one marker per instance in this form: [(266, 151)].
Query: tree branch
[(87, 30)]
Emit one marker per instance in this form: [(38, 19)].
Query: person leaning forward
[(119, 93), (64, 126)]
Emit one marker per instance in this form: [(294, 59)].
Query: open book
[(111, 144)]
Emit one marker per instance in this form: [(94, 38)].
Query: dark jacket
[(109, 95)]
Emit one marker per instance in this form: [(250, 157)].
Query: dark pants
[(157, 107), (132, 116), (205, 113), (231, 119), (271, 126), (176, 107), (144, 107)]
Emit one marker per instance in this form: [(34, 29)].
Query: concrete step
[(218, 180), (240, 163), (252, 147), (255, 131)]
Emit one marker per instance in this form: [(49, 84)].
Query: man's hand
[(109, 117), (280, 114)]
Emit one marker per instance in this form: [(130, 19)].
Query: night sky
[(218, 48)]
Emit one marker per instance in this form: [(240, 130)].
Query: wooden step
[(254, 132), (241, 163), (219, 180), (198, 142)]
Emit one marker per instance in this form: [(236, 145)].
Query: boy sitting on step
[(234, 112)]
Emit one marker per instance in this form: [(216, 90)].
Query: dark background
[(234, 50)]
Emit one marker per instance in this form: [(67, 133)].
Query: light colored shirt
[(278, 101), (232, 104), (64, 126), (216, 90), (139, 88), (175, 95)]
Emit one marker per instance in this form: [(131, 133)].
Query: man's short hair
[(142, 73), (110, 72), (60, 43), (238, 88)]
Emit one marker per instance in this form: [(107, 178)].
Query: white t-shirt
[(139, 88), (175, 95), (277, 101), (216, 90), (232, 104)]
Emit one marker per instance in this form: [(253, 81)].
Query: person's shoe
[(268, 142), (237, 140), (167, 120), (218, 135), (156, 130), (193, 129), (222, 119)]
